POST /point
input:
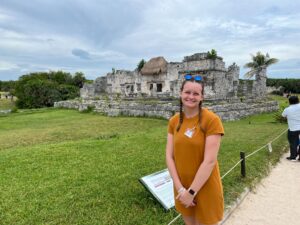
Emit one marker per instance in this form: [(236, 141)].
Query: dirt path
[(276, 201)]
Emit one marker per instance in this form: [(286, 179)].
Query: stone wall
[(227, 111)]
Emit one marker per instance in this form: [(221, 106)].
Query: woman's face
[(191, 95)]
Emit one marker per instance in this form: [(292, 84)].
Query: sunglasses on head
[(190, 77)]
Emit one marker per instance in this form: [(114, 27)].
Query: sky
[(94, 36)]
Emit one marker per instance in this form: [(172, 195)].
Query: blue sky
[(94, 36)]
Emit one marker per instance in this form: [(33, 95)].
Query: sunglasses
[(190, 77)]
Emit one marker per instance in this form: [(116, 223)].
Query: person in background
[(194, 137), (292, 113)]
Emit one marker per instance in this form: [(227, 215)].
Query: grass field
[(65, 167)]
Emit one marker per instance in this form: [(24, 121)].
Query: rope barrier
[(231, 168), (237, 165), (174, 219), (266, 144)]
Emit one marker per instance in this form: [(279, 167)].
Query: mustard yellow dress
[(188, 156)]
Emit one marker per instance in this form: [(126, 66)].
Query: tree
[(60, 77), (141, 64), (42, 89), (259, 62), (212, 54), (8, 86), (37, 93), (79, 79), (287, 85)]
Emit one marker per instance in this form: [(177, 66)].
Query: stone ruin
[(154, 90), (159, 79)]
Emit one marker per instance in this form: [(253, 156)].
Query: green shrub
[(88, 110), (37, 90), (289, 85), (278, 116), (14, 109)]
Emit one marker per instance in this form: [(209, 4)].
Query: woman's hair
[(181, 105), (293, 100)]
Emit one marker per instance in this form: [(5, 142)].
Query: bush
[(277, 92), (37, 90), (14, 109), (88, 109), (289, 85), (278, 116), (212, 54), (37, 94)]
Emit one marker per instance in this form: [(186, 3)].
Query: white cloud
[(7, 66), (43, 34)]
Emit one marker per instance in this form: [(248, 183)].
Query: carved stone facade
[(221, 83)]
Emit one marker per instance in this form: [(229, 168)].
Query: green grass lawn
[(65, 167)]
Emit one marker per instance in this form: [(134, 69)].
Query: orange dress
[(188, 156)]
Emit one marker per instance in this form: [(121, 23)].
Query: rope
[(232, 168), (237, 165), (174, 219), (266, 144)]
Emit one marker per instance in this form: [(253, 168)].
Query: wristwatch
[(192, 192)]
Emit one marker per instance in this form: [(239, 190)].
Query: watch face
[(191, 191)]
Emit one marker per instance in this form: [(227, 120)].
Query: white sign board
[(160, 184)]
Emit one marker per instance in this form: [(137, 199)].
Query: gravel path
[(276, 201)]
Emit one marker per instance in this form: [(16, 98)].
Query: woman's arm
[(212, 146), (171, 163)]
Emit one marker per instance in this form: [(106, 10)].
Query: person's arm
[(212, 146), (171, 163)]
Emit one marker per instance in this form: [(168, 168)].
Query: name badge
[(189, 133)]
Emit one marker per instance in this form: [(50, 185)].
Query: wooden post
[(243, 164)]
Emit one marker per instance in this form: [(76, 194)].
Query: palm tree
[(259, 62)]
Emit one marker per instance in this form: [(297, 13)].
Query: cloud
[(81, 53), (7, 66), (95, 36)]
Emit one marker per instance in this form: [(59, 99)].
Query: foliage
[(288, 85), (88, 109), (212, 54), (76, 168), (88, 81), (6, 104), (68, 91), (37, 93), (278, 116), (8, 86), (14, 109), (259, 61), (79, 79), (42, 89), (283, 103), (141, 64)]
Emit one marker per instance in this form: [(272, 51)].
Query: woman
[(194, 136)]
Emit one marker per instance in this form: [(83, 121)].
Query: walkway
[(276, 201)]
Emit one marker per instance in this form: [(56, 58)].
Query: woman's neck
[(190, 112)]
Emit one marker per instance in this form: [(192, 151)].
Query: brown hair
[(180, 104)]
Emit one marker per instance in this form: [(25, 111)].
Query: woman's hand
[(186, 199)]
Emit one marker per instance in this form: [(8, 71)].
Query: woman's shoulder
[(212, 123), (208, 114), (175, 117)]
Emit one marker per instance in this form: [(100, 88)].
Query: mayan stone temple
[(154, 90)]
